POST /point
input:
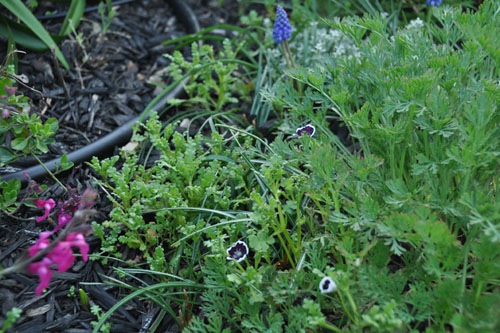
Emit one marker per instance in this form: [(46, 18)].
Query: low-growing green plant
[(422, 107), (99, 313), (107, 14), (391, 227), (217, 79), (194, 183), (11, 317), (21, 133)]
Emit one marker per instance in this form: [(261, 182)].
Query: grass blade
[(17, 8), (73, 17)]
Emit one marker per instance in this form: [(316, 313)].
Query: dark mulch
[(107, 86), (108, 81)]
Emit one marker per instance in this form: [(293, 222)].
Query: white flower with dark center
[(327, 285), (306, 130), (238, 251)]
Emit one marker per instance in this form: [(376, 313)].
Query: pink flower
[(58, 251), (61, 256), (5, 113), (43, 242), (48, 205), (63, 218), (10, 90), (42, 268), (77, 239)]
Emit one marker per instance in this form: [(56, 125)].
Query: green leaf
[(65, 164), (20, 34), (6, 156), (73, 17), (19, 143), (17, 8), (8, 195)]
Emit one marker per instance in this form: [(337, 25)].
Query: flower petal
[(62, 256), (306, 130), (42, 242), (42, 269), (48, 205), (238, 251), (327, 285), (77, 239), (435, 3)]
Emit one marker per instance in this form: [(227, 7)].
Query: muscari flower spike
[(306, 130), (327, 285), (238, 251), (435, 3), (282, 28)]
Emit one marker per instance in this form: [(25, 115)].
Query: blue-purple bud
[(435, 3), (282, 29)]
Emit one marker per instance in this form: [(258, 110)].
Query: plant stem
[(49, 172)]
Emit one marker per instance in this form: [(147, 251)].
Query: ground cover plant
[(357, 193), (394, 228)]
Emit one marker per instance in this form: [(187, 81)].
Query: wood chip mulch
[(107, 86)]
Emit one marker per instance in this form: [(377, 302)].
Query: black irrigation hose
[(119, 136)]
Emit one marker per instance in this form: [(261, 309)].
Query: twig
[(59, 75)]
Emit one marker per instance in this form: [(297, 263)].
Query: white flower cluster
[(411, 31), (325, 42), (317, 46), (416, 24)]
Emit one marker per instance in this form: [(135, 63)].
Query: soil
[(106, 87)]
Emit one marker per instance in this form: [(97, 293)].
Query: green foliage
[(424, 114), (97, 311), (21, 134), (214, 81), (11, 317), (31, 33), (402, 213), (107, 14), (178, 195), (9, 192)]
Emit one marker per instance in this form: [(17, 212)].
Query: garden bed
[(107, 88), (322, 174)]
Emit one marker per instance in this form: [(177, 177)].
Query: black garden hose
[(123, 133)]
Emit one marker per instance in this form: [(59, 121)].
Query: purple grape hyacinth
[(282, 28), (435, 3)]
